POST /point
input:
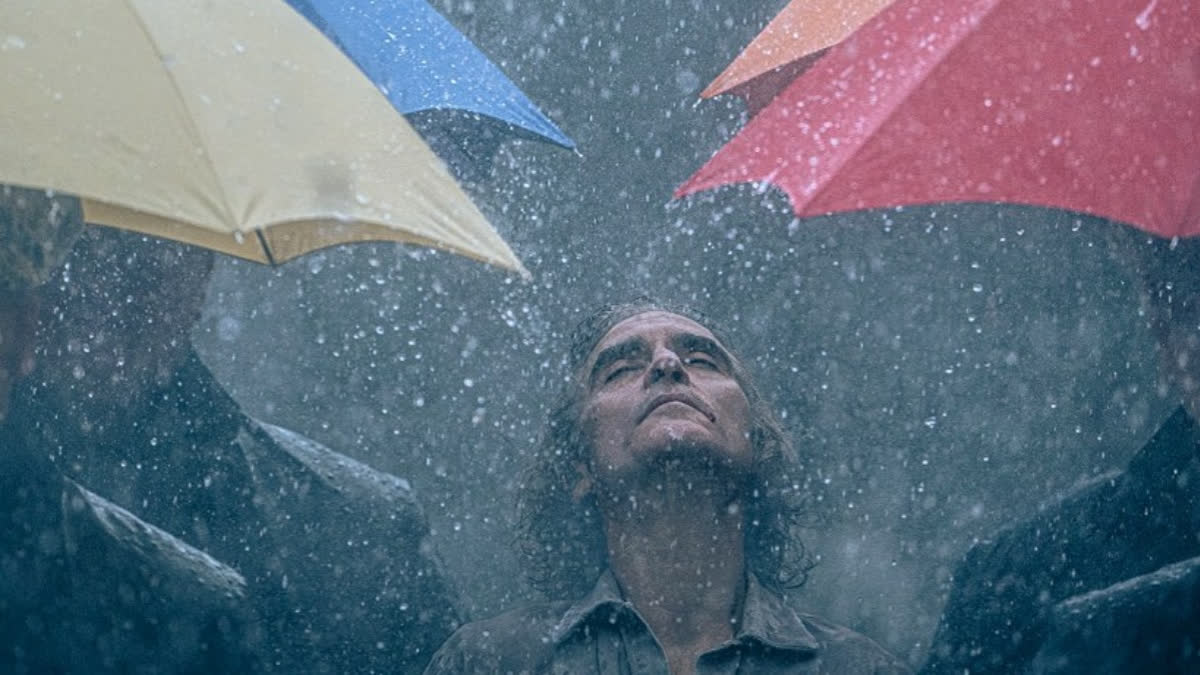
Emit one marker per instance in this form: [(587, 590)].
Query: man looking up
[(663, 494)]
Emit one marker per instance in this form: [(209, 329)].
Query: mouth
[(677, 397)]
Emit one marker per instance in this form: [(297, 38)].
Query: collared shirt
[(602, 633)]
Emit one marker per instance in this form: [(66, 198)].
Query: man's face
[(659, 385)]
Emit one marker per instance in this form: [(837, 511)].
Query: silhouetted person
[(659, 514), (1106, 579), (85, 586), (37, 231), (334, 553)]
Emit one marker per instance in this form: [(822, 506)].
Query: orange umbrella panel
[(788, 45)]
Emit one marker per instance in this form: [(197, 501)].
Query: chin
[(699, 450), (675, 435)]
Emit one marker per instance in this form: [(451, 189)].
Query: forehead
[(649, 326)]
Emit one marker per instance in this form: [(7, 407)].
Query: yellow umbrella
[(230, 124), (786, 46)]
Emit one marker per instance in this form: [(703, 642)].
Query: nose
[(667, 366)]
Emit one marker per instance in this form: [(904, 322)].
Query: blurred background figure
[(37, 231), (1107, 579), (89, 587), (334, 553)]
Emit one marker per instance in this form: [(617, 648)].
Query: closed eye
[(704, 352), (618, 372)]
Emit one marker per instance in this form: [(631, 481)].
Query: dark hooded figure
[(86, 586), (334, 553), (659, 515), (1106, 579)]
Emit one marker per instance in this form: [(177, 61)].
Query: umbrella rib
[(262, 241), (223, 207), (892, 110)]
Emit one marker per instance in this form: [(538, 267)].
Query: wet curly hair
[(561, 538)]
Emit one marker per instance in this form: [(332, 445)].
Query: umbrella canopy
[(788, 46), (231, 124), (1092, 107), (422, 62)]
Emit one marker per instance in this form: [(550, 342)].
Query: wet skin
[(661, 384)]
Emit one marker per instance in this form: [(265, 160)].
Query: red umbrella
[(1087, 105)]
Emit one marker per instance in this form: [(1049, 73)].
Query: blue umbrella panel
[(450, 90)]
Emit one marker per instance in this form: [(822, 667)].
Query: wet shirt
[(602, 633)]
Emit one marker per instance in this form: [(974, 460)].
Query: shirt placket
[(643, 653)]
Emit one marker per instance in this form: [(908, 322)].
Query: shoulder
[(517, 641), (275, 449), (1139, 508), (97, 528), (844, 650), (358, 530), (1144, 624), (1068, 516), (160, 600), (1005, 583)]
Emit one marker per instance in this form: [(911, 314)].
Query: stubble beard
[(679, 476)]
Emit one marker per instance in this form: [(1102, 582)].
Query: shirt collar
[(766, 618), (606, 593)]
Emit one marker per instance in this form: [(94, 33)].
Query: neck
[(677, 551)]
